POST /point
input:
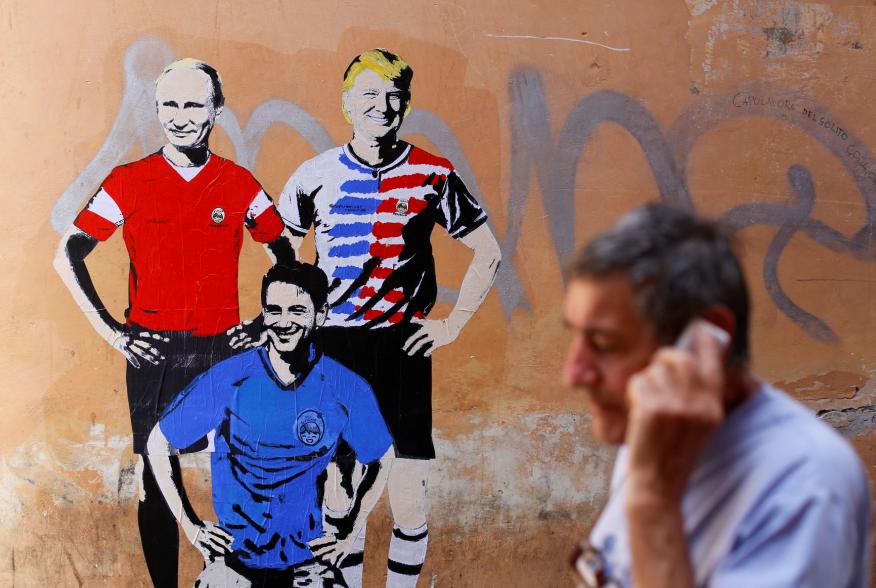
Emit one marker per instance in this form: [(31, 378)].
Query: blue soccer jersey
[(272, 442)]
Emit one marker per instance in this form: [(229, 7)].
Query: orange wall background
[(567, 113)]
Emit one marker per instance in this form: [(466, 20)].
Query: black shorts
[(401, 383), (152, 387)]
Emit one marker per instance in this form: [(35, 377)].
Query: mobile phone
[(686, 339)]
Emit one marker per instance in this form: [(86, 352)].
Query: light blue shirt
[(778, 499)]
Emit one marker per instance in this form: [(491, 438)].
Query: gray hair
[(679, 264)]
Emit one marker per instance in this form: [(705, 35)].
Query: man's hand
[(331, 550), (674, 406), (247, 334), (431, 335), (138, 346), (209, 538)]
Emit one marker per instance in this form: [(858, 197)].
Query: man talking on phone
[(721, 479)]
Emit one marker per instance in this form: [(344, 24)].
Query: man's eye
[(602, 344)]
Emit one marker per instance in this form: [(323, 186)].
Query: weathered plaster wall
[(563, 114)]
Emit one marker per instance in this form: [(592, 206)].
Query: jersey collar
[(187, 173), (402, 157), (313, 357)]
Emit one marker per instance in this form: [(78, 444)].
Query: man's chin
[(608, 428), (286, 345)]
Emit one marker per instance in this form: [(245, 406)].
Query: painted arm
[(207, 537), (69, 262), (475, 285), (330, 548), (281, 250)]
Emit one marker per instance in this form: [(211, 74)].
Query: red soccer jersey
[(183, 239)]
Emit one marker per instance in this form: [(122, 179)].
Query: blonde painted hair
[(191, 63), (387, 65)]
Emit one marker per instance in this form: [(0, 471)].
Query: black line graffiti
[(553, 160)]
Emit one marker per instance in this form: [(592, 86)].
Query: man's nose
[(179, 118), (580, 368)]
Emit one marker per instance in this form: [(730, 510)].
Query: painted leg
[(410, 535), (159, 533), (352, 565)]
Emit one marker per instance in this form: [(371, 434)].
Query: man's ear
[(321, 315), (722, 317), (345, 107), (218, 112)]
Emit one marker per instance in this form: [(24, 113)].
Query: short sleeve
[(366, 430), (262, 219), (103, 215), (199, 408), (296, 204), (806, 539), (458, 211)]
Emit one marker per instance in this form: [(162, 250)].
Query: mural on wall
[(381, 284), (289, 401)]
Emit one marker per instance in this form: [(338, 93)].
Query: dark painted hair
[(679, 264), (308, 277)]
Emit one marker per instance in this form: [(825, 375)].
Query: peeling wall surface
[(559, 116)]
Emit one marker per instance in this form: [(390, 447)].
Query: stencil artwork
[(278, 412), (372, 204), (182, 211), (304, 404)]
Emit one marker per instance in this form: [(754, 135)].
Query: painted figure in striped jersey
[(373, 204)]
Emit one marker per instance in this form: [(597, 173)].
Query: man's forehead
[(369, 78), (284, 293), (184, 81), (600, 301)]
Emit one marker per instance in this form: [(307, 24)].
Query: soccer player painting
[(373, 204), (182, 211), (278, 412)]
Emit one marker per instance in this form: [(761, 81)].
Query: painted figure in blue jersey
[(277, 412)]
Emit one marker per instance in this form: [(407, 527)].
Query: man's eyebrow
[(272, 307), (169, 103), (591, 330), (193, 105)]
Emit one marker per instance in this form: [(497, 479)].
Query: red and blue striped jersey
[(373, 226)]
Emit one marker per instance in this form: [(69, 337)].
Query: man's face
[(289, 316), (376, 106), (184, 98), (611, 341)]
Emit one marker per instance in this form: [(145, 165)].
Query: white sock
[(351, 566), (407, 552)]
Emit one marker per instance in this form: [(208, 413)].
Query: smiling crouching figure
[(278, 412)]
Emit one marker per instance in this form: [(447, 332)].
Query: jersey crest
[(310, 427)]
